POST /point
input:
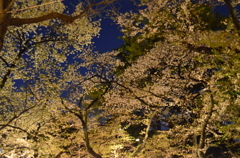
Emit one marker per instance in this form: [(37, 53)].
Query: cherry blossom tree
[(175, 69), (38, 40), (180, 74)]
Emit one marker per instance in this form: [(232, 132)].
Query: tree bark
[(1, 24), (233, 16), (1, 11), (84, 120), (204, 127), (85, 129), (142, 145)]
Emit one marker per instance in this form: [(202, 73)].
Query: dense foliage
[(172, 90)]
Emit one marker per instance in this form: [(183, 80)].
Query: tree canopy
[(172, 89)]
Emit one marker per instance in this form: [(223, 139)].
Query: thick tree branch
[(84, 121), (142, 145), (4, 80), (96, 99), (234, 18), (86, 137), (8, 6), (79, 114), (63, 17), (1, 11), (204, 127)]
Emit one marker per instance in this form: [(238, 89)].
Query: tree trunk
[(142, 145), (89, 148), (203, 129), (1, 11), (4, 20), (1, 23), (85, 129), (233, 16)]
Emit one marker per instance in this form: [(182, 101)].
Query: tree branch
[(97, 98), (17, 116), (84, 120), (1, 11), (54, 15), (79, 115), (86, 137), (15, 127), (9, 6), (142, 145), (234, 18), (204, 127), (14, 64), (63, 17)]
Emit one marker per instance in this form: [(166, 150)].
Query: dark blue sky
[(110, 32)]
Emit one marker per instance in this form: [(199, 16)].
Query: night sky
[(110, 32)]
